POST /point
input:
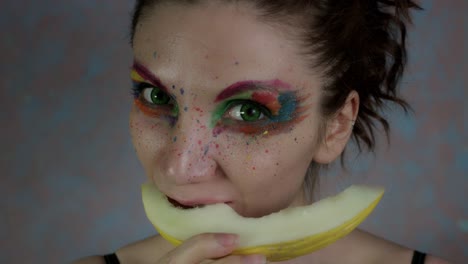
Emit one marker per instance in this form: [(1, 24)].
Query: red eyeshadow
[(146, 109), (265, 130), (269, 99)]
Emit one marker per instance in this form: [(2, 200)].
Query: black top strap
[(111, 259), (418, 257)]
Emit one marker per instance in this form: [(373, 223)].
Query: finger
[(202, 247)]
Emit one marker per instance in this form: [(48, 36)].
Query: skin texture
[(256, 174), (201, 50)]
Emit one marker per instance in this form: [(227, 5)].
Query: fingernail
[(254, 259), (226, 240)]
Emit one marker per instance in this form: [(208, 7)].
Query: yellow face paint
[(136, 76)]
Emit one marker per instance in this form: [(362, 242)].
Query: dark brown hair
[(359, 44)]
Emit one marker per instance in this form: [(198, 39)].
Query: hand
[(209, 248)]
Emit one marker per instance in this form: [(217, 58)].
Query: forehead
[(215, 41)]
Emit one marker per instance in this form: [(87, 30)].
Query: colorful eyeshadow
[(243, 86), (283, 107), (140, 74), (143, 79), (269, 99)]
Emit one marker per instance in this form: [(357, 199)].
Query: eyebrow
[(275, 85), (147, 75)]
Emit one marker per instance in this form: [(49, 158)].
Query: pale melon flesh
[(286, 234)]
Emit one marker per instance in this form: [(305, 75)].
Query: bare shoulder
[(435, 260), (145, 251), (391, 252), (363, 247)]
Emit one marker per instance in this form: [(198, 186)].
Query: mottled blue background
[(70, 179)]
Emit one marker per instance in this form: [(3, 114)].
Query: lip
[(189, 204)]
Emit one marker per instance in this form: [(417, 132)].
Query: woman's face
[(226, 110)]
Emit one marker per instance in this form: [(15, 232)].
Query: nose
[(187, 158)]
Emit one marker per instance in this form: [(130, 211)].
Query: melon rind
[(280, 236)]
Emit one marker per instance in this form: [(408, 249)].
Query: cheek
[(257, 162), (269, 166), (267, 176), (148, 135)]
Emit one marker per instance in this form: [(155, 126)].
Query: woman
[(242, 102)]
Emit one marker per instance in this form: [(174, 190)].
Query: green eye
[(247, 111), (155, 95)]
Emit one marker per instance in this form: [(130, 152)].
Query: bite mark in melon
[(283, 235)]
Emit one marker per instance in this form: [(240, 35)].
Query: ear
[(338, 131)]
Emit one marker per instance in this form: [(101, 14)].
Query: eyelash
[(240, 102), (138, 88), (169, 110), (138, 93)]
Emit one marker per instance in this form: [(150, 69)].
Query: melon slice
[(280, 236)]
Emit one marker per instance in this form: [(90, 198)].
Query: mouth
[(183, 206), (193, 205)]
